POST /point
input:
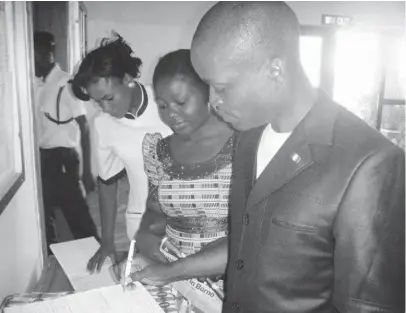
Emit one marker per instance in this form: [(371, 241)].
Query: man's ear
[(276, 69)]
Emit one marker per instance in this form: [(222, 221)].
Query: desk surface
[(53, 278)]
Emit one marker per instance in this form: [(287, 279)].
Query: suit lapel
[(310, 142), (244, 162), (293, 157)]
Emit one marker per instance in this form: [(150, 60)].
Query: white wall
[(155, 28), (21, 261)]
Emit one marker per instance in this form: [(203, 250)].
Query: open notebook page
[(73, 257), (104, 300)]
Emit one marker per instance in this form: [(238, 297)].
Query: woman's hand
[(96, 262)]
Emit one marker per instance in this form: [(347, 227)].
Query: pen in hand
[(172, 248), (128, 265)]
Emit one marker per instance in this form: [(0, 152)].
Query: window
[(311, 57), (11, 164), (356, 73)]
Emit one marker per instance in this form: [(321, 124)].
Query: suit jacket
[(322, 228)]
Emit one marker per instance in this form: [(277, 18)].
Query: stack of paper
[(104, 300), (73, 257), (97, 293)]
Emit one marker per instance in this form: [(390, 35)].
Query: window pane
[(393, 123), (356, 68), (395, 70), (311, 54)]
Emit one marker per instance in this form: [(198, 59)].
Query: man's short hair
[(44, 39)]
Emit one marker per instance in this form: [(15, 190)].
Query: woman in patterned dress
[(189, 176)]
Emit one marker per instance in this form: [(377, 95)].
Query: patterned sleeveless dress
[(194, 197)]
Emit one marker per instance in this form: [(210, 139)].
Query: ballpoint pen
[(172, 248), (129, 263)]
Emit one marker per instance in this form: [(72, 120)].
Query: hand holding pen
[(174, 250)]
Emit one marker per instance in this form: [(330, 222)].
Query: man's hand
[(214, 278), (97, 261), (88, 182), (139, 264), (155, 274)]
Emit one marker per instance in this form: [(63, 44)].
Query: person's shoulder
[(353, 132), (102, 121), (354, 142), (64, 75), (61, 75), (151, 140), (149, 146)]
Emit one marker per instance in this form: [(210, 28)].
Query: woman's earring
[(131, 84), (83, 90)]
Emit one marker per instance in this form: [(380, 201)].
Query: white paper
[(73, 257), (104, 300)]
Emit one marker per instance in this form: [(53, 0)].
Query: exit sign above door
[(335, 20)]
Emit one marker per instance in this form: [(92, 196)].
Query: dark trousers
[(61, 188)]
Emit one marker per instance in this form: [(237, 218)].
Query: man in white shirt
[(62, 123)]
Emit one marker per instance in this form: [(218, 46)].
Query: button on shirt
[(246, 219), (50, 134), (239, 264)]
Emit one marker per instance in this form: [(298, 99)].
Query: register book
[(95, 293)]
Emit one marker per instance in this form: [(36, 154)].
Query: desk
[(53, 278), (52, 281)]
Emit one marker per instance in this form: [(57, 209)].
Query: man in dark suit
[(317, 206)]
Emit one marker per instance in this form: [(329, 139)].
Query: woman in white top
[(108, 76)]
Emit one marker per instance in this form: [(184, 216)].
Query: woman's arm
[(108, 212), (152, 229), (87, 176)]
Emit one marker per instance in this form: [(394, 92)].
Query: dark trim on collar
[(143, 105)]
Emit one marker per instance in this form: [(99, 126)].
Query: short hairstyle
[(176, 63), (113, 58), (251, 27), (44, 40)]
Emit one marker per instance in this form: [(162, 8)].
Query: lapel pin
[(296, 158)]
